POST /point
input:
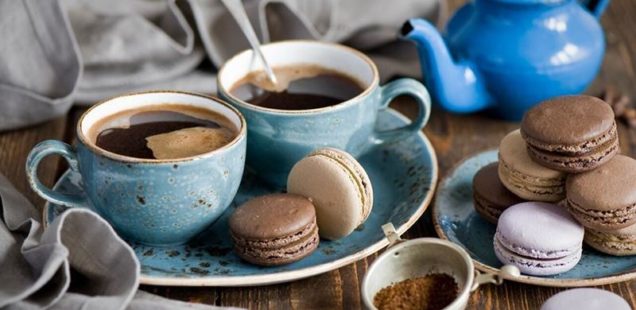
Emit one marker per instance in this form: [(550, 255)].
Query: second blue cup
[(279, 138)]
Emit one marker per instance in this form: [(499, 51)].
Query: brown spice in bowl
[(433, 291)]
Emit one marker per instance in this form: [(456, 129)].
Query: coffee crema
[(304, 87), (163, 131)]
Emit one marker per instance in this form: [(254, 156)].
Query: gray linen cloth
[(77, 262), (56, 53)]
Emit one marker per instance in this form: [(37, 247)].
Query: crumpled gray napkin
[(58, 52), (77, 262)]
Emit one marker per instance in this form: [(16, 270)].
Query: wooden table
[(454, 138)]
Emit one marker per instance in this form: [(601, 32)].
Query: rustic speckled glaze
[(158, 202), (455, 219), (280, 138), (403, 175)]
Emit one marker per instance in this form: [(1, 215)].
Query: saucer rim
[(293, 275)]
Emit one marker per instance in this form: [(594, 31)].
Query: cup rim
[(368, 300), (129, 159), (374, 82)]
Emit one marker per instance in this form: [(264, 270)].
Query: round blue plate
[(455, 219), (403, 174)]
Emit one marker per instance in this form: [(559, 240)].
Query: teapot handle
[(596, 7)]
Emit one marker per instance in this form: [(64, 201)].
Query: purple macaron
[(539, 238), (586, 299)]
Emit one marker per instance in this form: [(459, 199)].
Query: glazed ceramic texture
[(280, 138), (505, 56), (456, 220), (404, 173), (158, 202), (164, 203)]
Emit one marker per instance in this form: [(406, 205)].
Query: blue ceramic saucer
[(455, 219), (403, 175)]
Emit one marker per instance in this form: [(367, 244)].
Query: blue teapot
[(505, 56)]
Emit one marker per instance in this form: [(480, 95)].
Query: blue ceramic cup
[(151, 201), (279, 138)]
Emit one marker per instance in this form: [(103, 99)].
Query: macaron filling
[(487, 208), (584, 147), (575, 162), (536, 266), (537, 254), (356, 177), (613, 243), (610, 219), (276, 242), (296, 250), (534, 181)]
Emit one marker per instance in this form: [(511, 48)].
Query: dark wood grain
[(14, 148), (454, 138)]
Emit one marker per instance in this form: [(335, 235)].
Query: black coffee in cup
[(301, 87), (164, 131)]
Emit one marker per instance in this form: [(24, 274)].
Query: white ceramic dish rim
[(550, 282), (287, 276)]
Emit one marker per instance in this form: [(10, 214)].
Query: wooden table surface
[(454, 137)]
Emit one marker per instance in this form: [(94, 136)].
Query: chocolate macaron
[(620, 242), (571, 133), (490, 197), (523, 176), (274, 229), (604, 198)]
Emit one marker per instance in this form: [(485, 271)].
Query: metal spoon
[(238, 12)]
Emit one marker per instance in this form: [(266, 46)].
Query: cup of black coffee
[(159, 166), (328, 95)]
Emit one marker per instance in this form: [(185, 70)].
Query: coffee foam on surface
[(122, 119), (188, 142), (284, 76)]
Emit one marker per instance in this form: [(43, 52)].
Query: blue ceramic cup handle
[(39, 152), (409, 87)]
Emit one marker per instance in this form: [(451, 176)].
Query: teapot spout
[(456, 86)]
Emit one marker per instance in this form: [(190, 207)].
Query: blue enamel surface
[(462, 225), (402, 175), (505, 56)]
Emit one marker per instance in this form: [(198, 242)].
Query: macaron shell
[(489, 195), (530, 188), (513, 151), (540, 228), (274, 229), (272, 216), (360, 175), (523, 176), (568, 124), (620, 242), (537, 267), (586, 299), (273, 256), (610, 187), (336, 191)]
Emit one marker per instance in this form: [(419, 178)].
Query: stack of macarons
[(578, 135), (564, 157), (329, 195)]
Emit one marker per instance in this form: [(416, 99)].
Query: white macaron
[(339, 188)]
